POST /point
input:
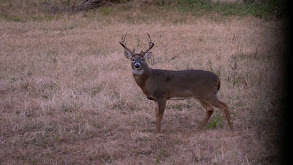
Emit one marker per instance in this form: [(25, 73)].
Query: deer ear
[(127, 54), (148, 55)]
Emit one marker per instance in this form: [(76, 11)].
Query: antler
[(123, 43), (151, 44)]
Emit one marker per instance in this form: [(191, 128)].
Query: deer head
[(138, 63)]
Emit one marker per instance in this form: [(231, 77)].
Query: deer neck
[(142, 76)]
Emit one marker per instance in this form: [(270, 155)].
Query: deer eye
[(133, 60), (141, 59)]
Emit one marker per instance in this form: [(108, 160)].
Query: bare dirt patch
[(67, 95)]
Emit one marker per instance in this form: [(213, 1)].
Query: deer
[(162, 85)]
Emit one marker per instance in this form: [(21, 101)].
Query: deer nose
[(137, 65)]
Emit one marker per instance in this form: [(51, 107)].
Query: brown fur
[(162, 85), (219, 84)]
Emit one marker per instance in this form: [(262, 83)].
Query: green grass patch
[(52, 10), (162, 154), (106, 10), (13, 18), (215, 121), (265, 9)]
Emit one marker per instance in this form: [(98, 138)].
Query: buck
[(162, 85)]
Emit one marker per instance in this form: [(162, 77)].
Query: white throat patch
[(137, 72)]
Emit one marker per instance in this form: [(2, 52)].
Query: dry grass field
[(67, 95)]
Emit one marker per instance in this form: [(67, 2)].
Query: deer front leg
[(160, 105)]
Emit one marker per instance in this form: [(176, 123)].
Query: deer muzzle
[(137, 65)]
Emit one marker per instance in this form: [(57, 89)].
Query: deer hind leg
[(209, 112), (221, 105), (160, 108)]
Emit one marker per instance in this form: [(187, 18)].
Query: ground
[(67, 95)]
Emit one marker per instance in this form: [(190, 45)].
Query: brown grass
[(67, 95)]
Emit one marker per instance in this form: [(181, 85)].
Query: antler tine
[(123, 43), (123, 39), (151, 44), (149, 36)]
